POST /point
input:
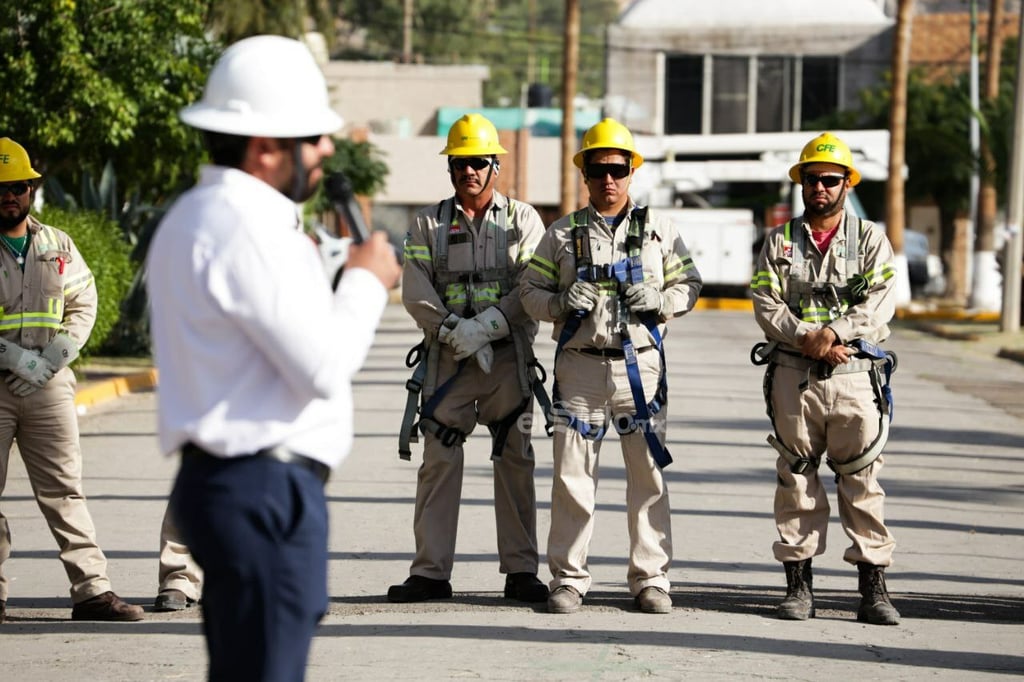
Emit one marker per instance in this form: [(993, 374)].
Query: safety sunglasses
[(477, 163), (15, 188), (828, 180), (597, 171)]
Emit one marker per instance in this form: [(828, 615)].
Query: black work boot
[(875, 607), (799, 601)]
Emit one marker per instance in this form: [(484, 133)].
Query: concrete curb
[(101, 391)]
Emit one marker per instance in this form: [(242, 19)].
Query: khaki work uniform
[(55, 293), (594, 387), (474, 397), (178, 569), (837, 415)]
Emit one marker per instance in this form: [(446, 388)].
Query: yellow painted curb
[(948, 315), (108, 389), (724, 304)]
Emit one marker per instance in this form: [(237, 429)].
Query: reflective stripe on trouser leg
[(48, 440)]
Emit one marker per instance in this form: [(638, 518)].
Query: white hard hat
[(266, 86)]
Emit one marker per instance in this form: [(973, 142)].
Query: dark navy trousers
[(258, 529)]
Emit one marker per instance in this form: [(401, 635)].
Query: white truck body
[(720, 241)]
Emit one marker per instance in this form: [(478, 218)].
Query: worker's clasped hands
[(823, 344)]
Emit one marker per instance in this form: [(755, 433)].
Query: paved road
[(955, 480)]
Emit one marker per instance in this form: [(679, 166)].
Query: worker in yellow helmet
[(463, 260), (48, 306), (610, 276), (823, 294)]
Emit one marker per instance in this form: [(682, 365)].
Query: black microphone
[(338, 189)]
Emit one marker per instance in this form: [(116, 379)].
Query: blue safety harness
[(623, 273)]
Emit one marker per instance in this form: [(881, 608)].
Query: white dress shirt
[(253, 348)]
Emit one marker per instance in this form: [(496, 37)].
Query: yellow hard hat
[(472, 135), (14, 162), (826, 148), (607, 134)]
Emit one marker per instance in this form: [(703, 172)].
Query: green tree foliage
[(99, 240), (517, 47), (84, 82), (233, 20)]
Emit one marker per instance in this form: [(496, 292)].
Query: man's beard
[(8, 223), (829, 209)]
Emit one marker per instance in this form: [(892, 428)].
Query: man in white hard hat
[(256, 355)]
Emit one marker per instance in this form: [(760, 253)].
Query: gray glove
[(579, 296), (19, 386), (27, 364), (61, 352), (642, 298)]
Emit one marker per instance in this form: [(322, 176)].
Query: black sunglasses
[(597, 171), (15, 188), (828, 180), (312, 139), (477, 163)]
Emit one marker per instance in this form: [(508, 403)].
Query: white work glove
[(579, 296), (61, 351), (642, 298), (444, 332), (472, 334), (27, 364), (485, 358)]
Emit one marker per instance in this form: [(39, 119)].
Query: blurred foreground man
[(256, 356)]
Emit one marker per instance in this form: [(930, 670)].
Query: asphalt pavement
[(954, 477)]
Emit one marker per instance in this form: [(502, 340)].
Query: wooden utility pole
[(570, 65), (985, 287), (895, 208), (407, 31)]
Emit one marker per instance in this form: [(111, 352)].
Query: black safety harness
[(423, 359)]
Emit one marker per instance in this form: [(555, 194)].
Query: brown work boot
[(565, 599), (106, 606), (654, 600), (875, 607), (799, 601)]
